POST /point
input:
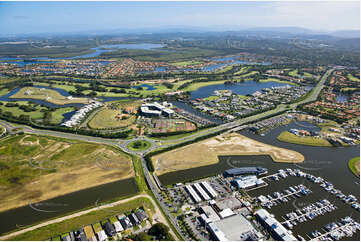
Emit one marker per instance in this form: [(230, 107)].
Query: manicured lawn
[(354, 165), (241, 71), (276, 80), (306, 74), (139, 145), (78, 222), (16, 111), (224, 69), (197, 85), (211, 98), (48, 95), (291, 138), (249, 74), (115, 114), (57, 115), (293, 73), (352, 78), (187, 63)]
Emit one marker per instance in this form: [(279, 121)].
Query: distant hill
[(346, 34)]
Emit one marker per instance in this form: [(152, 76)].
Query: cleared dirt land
[(115, 114), (48, 95), (35, 168), (206, 152)]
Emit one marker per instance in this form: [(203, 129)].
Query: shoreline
[(208, 155)]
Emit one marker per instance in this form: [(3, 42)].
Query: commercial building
[(211, 215), (209, 189), (247, 182), (246, 170), (201, 192), (276, 229), (234, 228), (155, 110), (216, 233), (193, 194)]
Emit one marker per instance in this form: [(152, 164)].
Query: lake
[(244, 88), (62, 205), (146, 86)]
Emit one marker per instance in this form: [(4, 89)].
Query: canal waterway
[(327, 162), (243, 88), (62, 205)]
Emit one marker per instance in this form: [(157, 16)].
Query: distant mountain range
[(266, 31)]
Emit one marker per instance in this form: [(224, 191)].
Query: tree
[(160, 231), (142, 236)]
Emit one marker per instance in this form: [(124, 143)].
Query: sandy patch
[(206, 152)]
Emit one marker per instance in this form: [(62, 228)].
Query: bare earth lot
[(206, 152), (35, 168)]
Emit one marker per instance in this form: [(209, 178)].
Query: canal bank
[(37, 212)]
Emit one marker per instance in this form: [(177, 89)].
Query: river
[(97, 51)]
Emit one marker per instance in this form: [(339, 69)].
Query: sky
[(52, 17)]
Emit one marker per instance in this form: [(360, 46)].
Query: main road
[(121, 143)]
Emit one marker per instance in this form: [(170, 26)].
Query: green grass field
[(51, 163), (293, 73), (57, 115), (211, 98), (52, 230), (354, 165), (197, 85), (139, 145), (187, 63), (48, 95), (241, 71), (288, 137), (16, 111), (113, 115), (276, 80), (249, 74), (352, 78), (306, 74)]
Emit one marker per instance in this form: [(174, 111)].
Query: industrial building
[(211, 215), (155, 110), (245, 170), (234, 228), (201, 192), (247, 182), (212, 193), (277, 230), (193, 194)]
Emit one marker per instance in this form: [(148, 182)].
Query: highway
[(122, 144)]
